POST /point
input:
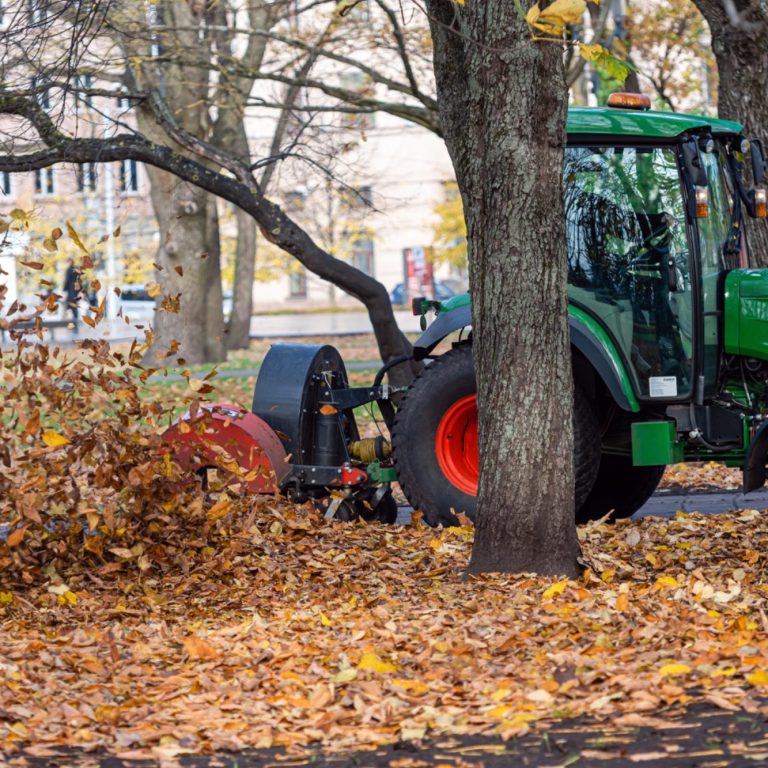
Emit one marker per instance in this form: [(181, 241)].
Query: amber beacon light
[(629, 101)]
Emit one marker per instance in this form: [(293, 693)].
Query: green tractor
[(668, 322)]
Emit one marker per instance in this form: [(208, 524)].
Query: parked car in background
[(444, 289), (135, 301)]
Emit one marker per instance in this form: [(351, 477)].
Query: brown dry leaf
[(197, 648)]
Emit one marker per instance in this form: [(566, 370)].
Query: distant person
[(72, 289)]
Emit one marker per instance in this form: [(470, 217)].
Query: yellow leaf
[(554, 18), (500, 711), (325, 621), (416, 687), (673, 669), (153, 290), (533, 14), (564, 12), (50, 244), (757, 678), (76, 238), (6, 597), (219, 509), (590, 52), (67, 598), (667, 581), (555, 589), (500, 694), (345, 676), (54, 439), (372, 661), (622, 602), (18, 729)]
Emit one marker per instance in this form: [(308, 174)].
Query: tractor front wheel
[(434, 440)]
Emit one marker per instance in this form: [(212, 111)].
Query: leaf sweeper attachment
[(300, 437)]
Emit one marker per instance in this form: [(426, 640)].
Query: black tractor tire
[(445, 381), (619, 487)]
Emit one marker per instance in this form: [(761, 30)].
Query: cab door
[(629, 260)]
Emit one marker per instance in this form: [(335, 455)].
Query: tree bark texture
[(503, 106), (239, 324), (741, 52), (190, 269)]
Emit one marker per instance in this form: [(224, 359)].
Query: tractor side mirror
[(694, 166), (758, 161)]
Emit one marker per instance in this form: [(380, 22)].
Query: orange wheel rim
[(456, 445)]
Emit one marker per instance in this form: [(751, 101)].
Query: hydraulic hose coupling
[(370, 449)]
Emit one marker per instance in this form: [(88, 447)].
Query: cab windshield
[(628, 259)]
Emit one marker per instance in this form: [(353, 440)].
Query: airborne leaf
[(76, 238)]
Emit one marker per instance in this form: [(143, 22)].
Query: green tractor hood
[(746, 313)]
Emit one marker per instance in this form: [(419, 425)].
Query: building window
[(40, 93), (360, 84), (298, 284), (83, 99), (44, 181), (295, 201), (362, 255), (86, 177), (124, 103), (36, 11), (5, 183), (129, 176)]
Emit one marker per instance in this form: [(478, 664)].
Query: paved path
[(262, 327), (699, 737), (665, 504)]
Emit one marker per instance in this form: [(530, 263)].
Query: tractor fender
[(598, 350), (604, 359), (443, 325), (230, 438)]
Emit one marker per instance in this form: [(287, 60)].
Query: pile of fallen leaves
[(704, 476), (85, 477), (299, 631)]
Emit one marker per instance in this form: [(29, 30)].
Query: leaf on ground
[(197, 648)]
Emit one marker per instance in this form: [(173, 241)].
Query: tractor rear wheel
[(619, 487), (434, 440)]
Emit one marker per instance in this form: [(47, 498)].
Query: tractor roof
[(646, 124)]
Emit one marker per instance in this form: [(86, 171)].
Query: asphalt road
[(665, 503)]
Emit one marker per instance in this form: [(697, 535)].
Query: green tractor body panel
[(460, 300), (746, 313), (655, 443)]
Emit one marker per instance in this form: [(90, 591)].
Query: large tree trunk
[(189, 259), (502, 106), (741, 51), (239, 325)]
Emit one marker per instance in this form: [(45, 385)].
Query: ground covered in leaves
[(286, 630), (144, 616)]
